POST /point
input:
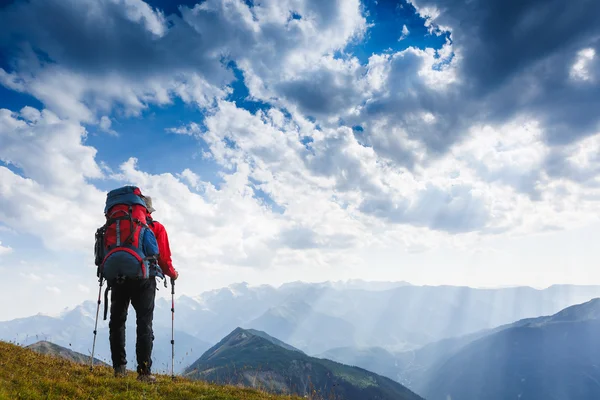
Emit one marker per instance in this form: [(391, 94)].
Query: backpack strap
[(106, 300)]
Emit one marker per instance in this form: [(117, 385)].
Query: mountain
[(51, 349), (554, 357), (273, 340), (245, 358), (313, 317), (415, 368), (405, 317), (296, 322), (73, 329), (359, 284)]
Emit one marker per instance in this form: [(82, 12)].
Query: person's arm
[(164, 256)]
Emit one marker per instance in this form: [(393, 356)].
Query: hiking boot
[(147, 378), (120, 371)]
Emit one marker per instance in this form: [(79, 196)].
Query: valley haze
[(313, 317)]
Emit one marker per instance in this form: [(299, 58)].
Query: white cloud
[(48, 149), (139, 11), (65, 92), (580, 69), (52, 199), (4, 250), (226, 226), (191, 178), (184, 60), (105, 125), (512, 154), (405, 33), (193, 129)]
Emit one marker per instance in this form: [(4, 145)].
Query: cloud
[(512, 68), (4, 250), (413, 106), (46, 148), (405, 33), (52, 198), (31, 276), (328, 88), (512, 155), (410, 147), (192, 129), (433, 113), (218, 226), (456, 209), (491, 182), (581, 68), (105, 125), (53, 289), (126, 53), (192, 179), (104, 53), (336, 178)]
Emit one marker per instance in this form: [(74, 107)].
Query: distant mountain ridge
[(555, 356), (297, 321), (257, 360), (420, 369), (313, 318)]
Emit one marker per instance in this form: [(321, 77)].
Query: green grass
[(25, 374)]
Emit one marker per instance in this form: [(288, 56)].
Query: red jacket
[(164, 257)]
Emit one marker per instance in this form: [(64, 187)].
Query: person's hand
[(176, 276)]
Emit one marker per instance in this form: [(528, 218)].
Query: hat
[(148, 201)]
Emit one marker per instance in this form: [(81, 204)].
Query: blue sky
[(285, 140)]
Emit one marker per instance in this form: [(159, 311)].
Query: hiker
[(134, 259)]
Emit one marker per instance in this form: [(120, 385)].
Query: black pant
[(141, 293)]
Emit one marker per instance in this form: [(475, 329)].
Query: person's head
[(148, 201)]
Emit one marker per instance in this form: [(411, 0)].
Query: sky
[(429, 141)]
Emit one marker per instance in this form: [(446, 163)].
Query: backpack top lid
[(129, 195)]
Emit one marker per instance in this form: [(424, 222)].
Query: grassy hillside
[(51, 349), (25, 374)]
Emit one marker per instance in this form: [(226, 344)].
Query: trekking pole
[(172, 329), (96, 324)]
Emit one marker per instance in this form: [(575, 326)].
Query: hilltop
[(25, 373)]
